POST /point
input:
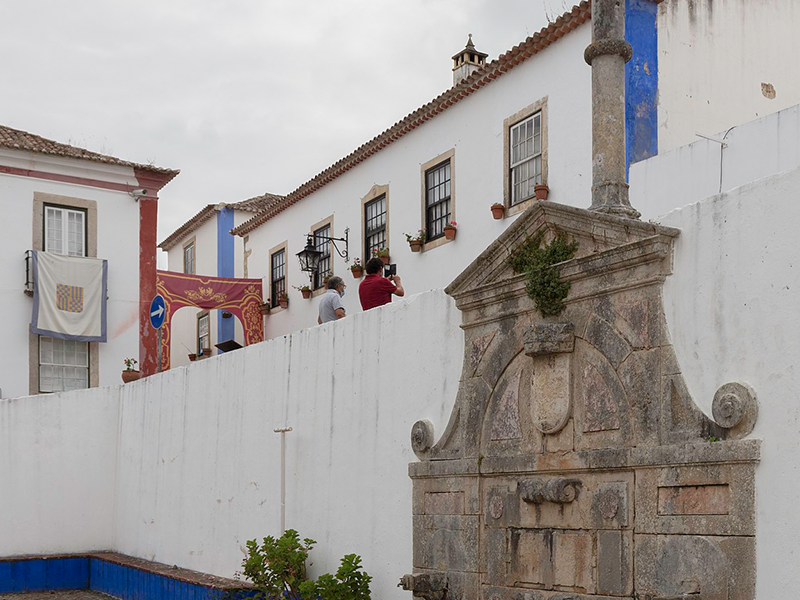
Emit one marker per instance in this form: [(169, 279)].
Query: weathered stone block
[(443, 542), (607, 340), (548, 338), (614, 563), (574, 564), (700, 500), (444, 503), (531, 559)]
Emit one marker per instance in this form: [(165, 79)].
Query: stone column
[(607, 55)]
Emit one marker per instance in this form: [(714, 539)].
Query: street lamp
[(309, 256)]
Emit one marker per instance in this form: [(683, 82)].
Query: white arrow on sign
[(157, 313)]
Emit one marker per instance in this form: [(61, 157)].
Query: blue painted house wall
[(641, 80), (225, 327)]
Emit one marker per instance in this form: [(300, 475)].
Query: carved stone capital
[(603, 47)]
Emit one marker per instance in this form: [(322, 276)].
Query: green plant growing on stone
[(538, 262), (277, 568)]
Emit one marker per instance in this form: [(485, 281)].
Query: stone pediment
[(595, 234), (575, 463)]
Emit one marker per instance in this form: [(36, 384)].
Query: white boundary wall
[(731, 306), (189, 466)]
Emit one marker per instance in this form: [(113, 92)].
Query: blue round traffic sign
[(158, 311)]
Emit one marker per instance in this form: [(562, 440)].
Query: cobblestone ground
[(58, 595)]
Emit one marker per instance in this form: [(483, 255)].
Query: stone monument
[(575, 465)]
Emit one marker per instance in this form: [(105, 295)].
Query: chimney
[(466, 62), (607, 55)]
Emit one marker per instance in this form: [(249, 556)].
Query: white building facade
[(521, 120), (64, 200)]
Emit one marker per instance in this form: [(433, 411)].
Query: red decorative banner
[(240, 297)]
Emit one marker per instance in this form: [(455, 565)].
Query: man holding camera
[(377, 290)]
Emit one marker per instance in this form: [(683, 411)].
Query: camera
[(390, 270)]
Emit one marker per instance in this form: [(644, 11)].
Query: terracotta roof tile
[(253, 205), (16, 139), (567, 22)]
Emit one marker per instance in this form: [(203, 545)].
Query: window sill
[(441, 241), (318, 291), (521, 206), (275, 311)]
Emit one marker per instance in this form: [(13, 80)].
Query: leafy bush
[(278, 570)]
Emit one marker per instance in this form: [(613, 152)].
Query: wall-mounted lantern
[(309, 256)]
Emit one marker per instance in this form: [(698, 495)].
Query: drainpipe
[(283, 431), (607, 55)]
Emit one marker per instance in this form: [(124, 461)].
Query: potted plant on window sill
[(130, 373), (305, 290), (542, 191), (450, 230), (265, 308), (498, 210), (383, 254), (192, 357), (283, 300), (415, 241), (357, 269)]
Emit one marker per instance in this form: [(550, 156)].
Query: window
[(277, 275), (188, 258), (64, 231), (63, 365), (525, 152), (437, 200), (322, 244), (374, 225), (203, 333)]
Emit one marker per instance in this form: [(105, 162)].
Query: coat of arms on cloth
[(69, 298)]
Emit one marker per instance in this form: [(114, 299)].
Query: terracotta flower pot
[(542, 191), (193, 357), (498, 210), (416, 245), (357, 273), (128, 376), (283, 303), (449, 233), (264, 308), (386, 259), (306, 294)]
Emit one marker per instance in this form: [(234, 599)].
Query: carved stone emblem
[(558, 490), (735, 407)]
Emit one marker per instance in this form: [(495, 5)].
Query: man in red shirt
[(377, 290)]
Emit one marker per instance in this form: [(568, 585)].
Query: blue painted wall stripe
[(641, 80), (225, 327), (44, 574)]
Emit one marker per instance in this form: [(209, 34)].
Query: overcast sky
[(244, 96)]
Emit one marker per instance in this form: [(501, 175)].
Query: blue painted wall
[(84, 573), (641, 80), (225, 327)]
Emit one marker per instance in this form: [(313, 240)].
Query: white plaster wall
[(474, 127), (116, 242), (731, 306), (713, 51), (199, 464), (688, 174), (57, 467)]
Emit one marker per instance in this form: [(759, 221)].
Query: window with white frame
[(64, 231), (322, 244), (203, 333), (63, 365), (188, 258), (525, 157)]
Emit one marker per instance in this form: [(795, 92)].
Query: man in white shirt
[(331, 307)]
